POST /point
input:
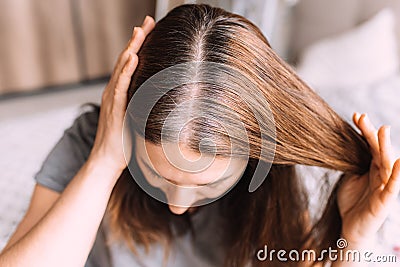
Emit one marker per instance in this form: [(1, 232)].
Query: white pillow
[(362, 56)]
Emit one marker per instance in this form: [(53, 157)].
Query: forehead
[(177, 161)]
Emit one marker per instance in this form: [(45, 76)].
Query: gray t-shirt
[(64, 161)]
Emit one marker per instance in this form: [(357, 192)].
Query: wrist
[(359, 243), (353, 253), (104, 166)]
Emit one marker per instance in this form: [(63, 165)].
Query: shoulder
[(70, 152), (79, 137), (85, 125)]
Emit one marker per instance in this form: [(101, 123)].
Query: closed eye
[(156, 175)]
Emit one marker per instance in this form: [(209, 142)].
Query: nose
[(180, 199)]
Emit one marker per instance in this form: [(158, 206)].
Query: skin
[(53, 223), (365, 201), (184, 188), (44, 241)]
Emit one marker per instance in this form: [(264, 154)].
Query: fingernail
[(146, 20), (133, 32)]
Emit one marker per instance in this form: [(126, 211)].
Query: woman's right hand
[(108, 147)]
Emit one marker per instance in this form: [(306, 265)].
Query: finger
[(368, 130), (124, 78), (148, 25), (134, 44), (356, 119), (392, 188), (132, 48), (137, 40), (122, 60), (385, 150), (140, 33)]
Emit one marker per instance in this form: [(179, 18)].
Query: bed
[(348, 52), (29, 128), (319, 38)]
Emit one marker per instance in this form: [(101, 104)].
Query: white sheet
[(24, 143), (381, 101)]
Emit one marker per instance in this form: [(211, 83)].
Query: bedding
[(360, 56), (371, 91), (358, 71), (33, 136), (381, 101), (354, 72), (26, 153)]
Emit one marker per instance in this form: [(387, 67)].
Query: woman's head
[(255, 108), (182, 187), (247, 72), (200, 94)]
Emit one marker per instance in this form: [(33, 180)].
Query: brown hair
[(308, 132)]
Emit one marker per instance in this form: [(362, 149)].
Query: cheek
[(155, 182), (208, 192), (151, 179), (200, 192)]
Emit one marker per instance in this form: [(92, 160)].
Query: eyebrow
[(155, 173)]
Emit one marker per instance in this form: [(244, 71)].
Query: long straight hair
[(308, 132)]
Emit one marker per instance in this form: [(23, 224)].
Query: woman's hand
[(108, 147), (365, 201)]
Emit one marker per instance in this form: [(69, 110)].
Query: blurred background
[(56, 55)]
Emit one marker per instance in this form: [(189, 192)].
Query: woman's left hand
[(365, 201)]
